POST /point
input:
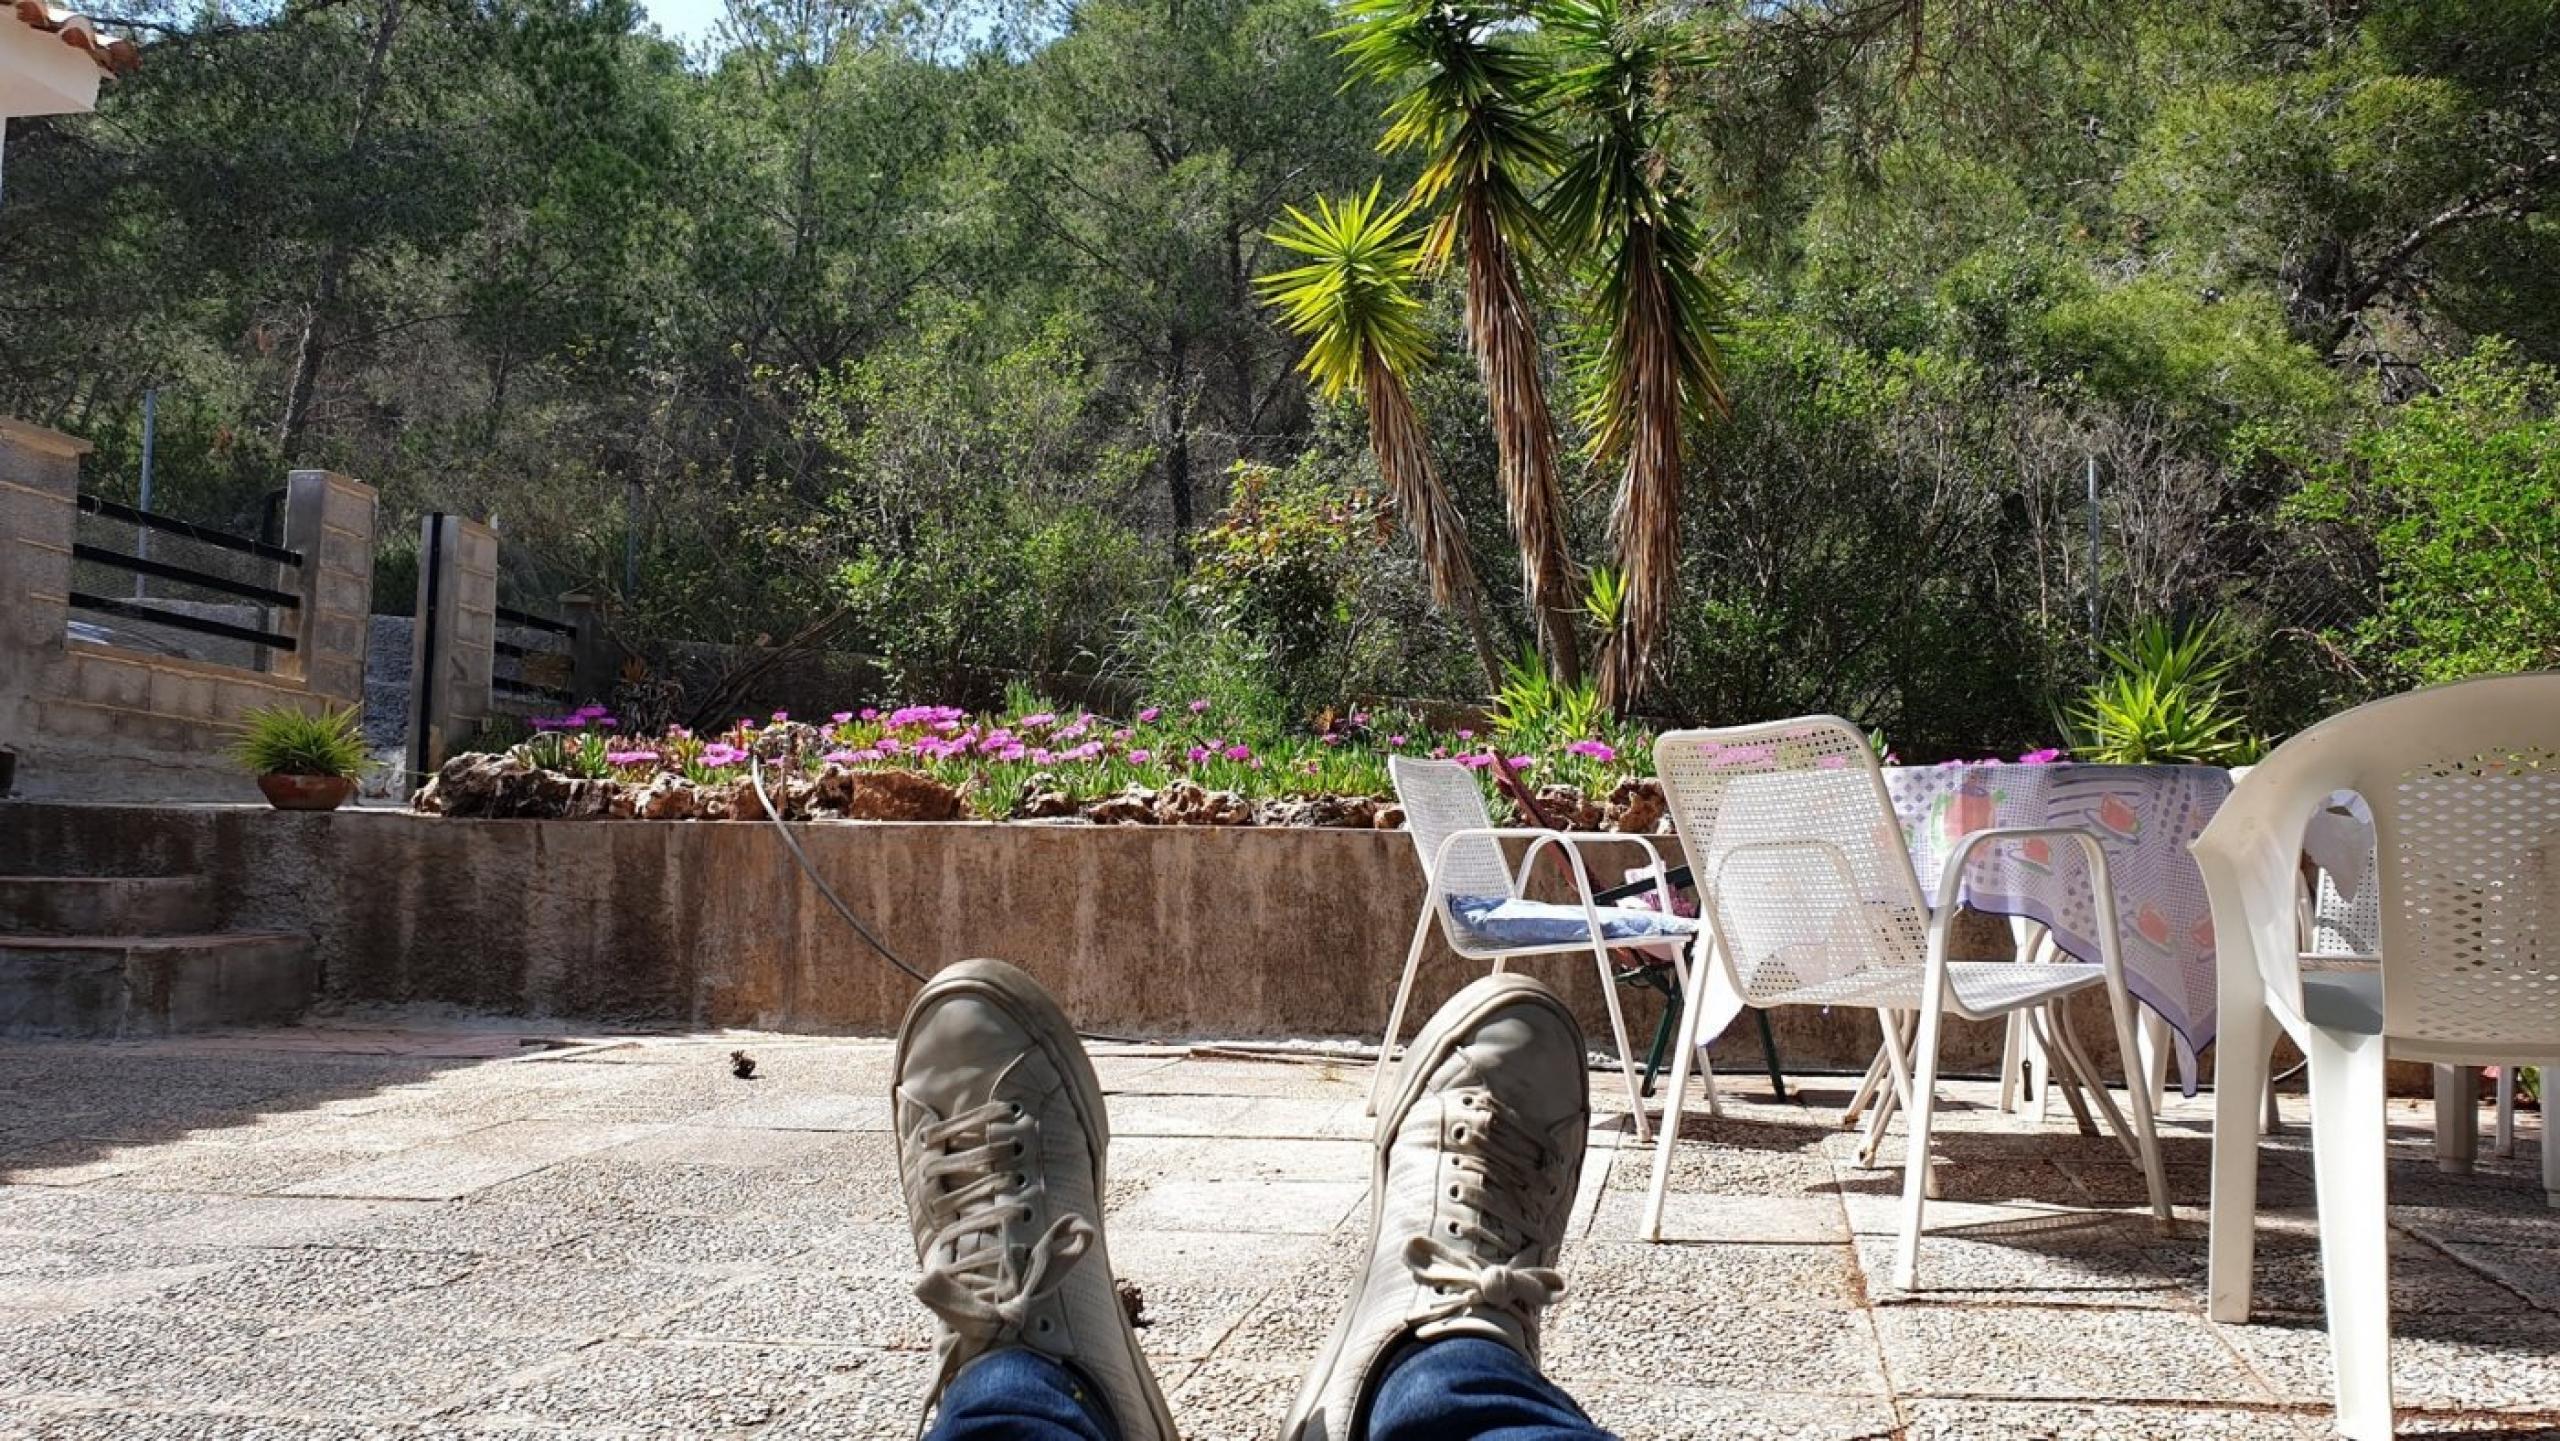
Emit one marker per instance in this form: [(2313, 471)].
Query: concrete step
[(105, 905), (120, 986)]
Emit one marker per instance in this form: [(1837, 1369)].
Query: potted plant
[(304, 760)]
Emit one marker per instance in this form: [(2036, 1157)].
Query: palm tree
[(1354, 302), (1470, 98), (1624, 213)]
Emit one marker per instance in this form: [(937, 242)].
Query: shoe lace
[(1498, 1205), (972, 1192)]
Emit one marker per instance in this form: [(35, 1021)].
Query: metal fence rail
[(139, 609)]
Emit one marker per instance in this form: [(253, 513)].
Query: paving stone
[(545, 1297), (1689, 1216), (2532, 1272), (1687, 1413), (468, 1226), (2450, 1362), (781, 1111), (473, 1162), (52, 1212), (1737, 1158), (1309, 1207), (731, 1147), (1933, 1420), (1233, 1401), (809, 1307), (269, 1222), (370, 1369), (666, 1388), (2060, 1353), (1742, 1317), (1199, 1286), (726, 1242), (879, 1397)]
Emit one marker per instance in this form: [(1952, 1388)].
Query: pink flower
[(1359, 717), (1475, 762), (1239, 752), (679, 732), (1199, 754), (845, 758), (2044, 757), (1122, 735), (1036, 719), (1597, 750), (1149, 714), (870, 713), (630, 758), (1200, 707), (840, 717), (1085, 752), (1466, 735), (1439, 753), (721, 753), (1139, 757), (1332, 739), (1522, 763), (886, 745), (1397, 741), (1042, 757), (781, 716)]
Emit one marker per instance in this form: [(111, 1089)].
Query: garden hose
[(755, 773)]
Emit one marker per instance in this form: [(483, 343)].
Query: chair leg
[(2347, 1158), (2146, 1135), (2046, 1032), (1693, 1005), (2273, 1123), (2457, 1119), (2085, 1067), (1662, 1033), (1626, 1052), (2550, 1139), (1672, 1009), (1915, 1162), (2240, 1078), (1769, 1053), (2012, 1055), (1395, 1012), (1866, 1092), (2154, 1043), (2506, 1141)]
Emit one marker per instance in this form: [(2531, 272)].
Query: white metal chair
[(1811, 899), (2464, 784), (1480, 904)]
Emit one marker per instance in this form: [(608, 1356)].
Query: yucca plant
[(1625, 215), (281, 740), (1353, 300), (1471, 98), (2162, 701)]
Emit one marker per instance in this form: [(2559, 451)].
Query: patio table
[(2144, 818)]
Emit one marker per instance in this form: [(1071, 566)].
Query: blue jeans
[(1460, 1388)]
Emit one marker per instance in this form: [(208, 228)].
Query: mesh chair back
[(1440, 799), (2464, 784), (1797, 851)]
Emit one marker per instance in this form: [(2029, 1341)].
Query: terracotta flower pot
[(307, 793)]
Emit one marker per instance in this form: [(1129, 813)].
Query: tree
[(1623, 211), (1472, 98), (1354, 303)]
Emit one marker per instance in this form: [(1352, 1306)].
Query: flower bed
[(1172, 764)]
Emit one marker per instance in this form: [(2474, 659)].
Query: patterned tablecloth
[(2144, 818)]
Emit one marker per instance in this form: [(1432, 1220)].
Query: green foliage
[(283, 740), (2162, 701), (1353, 300), (2458, 496), (1533, 708)]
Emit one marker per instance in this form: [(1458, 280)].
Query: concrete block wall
[(450, 689), (100, 722)]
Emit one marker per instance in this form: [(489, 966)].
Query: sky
[(691, 21)]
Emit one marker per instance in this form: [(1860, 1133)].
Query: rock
[(1389, 817), (1184, 803), (1566, 808), (469, 785), (1043, 797), (1135, 806), (1354, 812), (789, 740), (883, 795), (668, 797), (1635, 806)]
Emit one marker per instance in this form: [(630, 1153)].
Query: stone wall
[(104, 722), (1143, 931)]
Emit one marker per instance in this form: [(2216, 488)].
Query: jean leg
[(1467, 1387), (1018, 1394)]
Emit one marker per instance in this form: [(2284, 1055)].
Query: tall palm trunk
[(1645, 524), (1404, 461), (1505, 336)]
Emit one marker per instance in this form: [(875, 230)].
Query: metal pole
[(2093, 556), (150, 433)]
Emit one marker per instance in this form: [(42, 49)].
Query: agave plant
[(1471, 97), (1353, 300), (1626, 216), (2162, 701)]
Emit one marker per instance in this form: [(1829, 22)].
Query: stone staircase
[(125, 956)]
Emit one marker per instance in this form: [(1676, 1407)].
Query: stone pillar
[(328, 518), (457, 637), (39, 492)]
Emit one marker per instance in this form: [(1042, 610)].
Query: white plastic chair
[(1811, 899), (2464, 784), (1479, 901)]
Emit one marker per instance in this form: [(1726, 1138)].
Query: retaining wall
[(1146, 931)]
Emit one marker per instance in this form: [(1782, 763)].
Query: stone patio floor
[(429, 1229)]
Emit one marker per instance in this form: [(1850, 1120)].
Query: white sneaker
[(1001, 1145), (1476, 1168)]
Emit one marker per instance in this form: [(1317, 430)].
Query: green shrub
[(281, 740), (2162, 701)]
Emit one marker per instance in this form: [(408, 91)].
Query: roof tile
[(114, 54)]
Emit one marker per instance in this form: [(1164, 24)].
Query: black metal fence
[(520, 673), (223, 597)]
